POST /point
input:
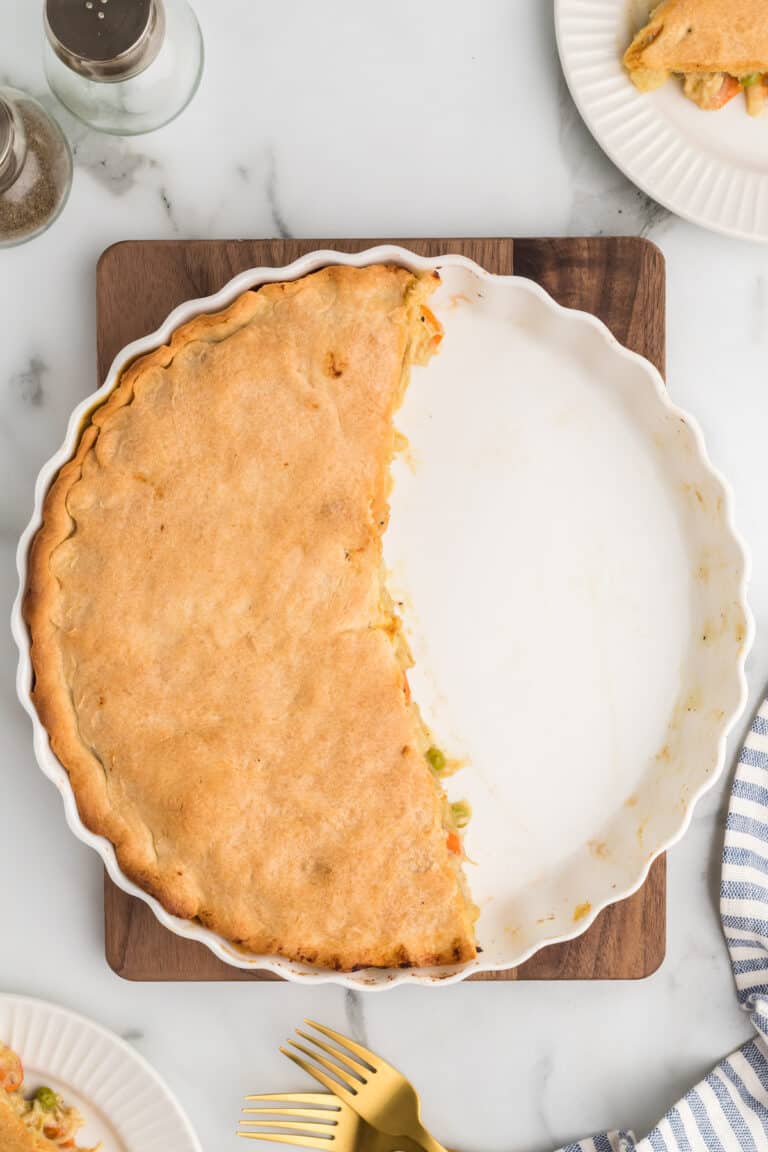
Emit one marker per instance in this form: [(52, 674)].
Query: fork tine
[(279, 1138), (370, 1058), (327, 1114), (351, 1081), (317, 1099), (311, 1126), (317, 1074), (357, 1067)]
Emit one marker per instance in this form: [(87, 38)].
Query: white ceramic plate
[(574, 592), (709, 167), (125, 1103)]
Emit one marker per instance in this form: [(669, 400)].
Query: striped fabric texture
[(728, 1111)]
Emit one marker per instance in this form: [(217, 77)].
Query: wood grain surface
[(621, 280)]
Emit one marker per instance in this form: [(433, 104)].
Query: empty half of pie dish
[(218, 637)]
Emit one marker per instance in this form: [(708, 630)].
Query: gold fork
[(374, 1089), (316, 1120)]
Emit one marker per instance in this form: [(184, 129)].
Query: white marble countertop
[(356, 119)]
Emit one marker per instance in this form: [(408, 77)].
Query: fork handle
[(425, 1141)]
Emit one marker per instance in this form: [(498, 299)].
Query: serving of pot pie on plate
[(216, 659), (38, 1122), (718, 47)]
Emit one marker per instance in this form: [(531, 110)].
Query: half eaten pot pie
[(718, 47), (216, 659)]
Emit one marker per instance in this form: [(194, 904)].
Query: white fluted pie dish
[(573, 590)]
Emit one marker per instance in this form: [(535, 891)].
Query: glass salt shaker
[(123, 66), (35, 168)]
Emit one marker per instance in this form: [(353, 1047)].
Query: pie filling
[(457, 814), (710, 90)]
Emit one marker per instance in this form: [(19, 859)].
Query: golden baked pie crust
[(701, 36), (215, 660)]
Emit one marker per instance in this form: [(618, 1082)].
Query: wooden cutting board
[(622, 281)]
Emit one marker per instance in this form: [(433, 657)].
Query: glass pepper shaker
[(35, 168), (123, 66)]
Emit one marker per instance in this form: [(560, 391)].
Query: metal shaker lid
[(108, 40), (12, 144)]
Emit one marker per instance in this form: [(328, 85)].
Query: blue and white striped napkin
[(728, 1111)]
